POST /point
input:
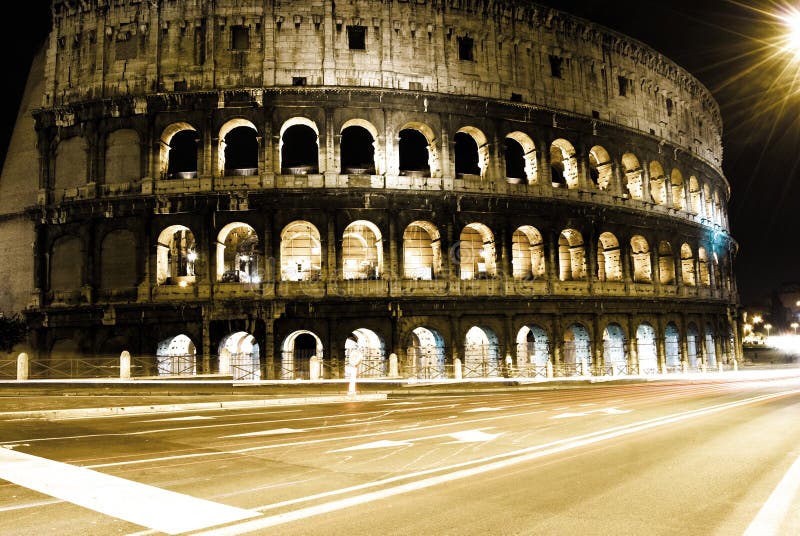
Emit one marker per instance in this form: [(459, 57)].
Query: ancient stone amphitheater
[(469, 188)]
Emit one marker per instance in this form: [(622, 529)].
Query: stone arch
[(362, 251), (614, 354), (633, 176), (571, 256), (658, 183), (710, 346), (178, 153), (672, 347), (687, 266), (422, 251), (702, 264), (718, 219), (709, 203), (301, 252), (678, 190), (425, 353), (177, 356), (563, 165), (577, 350), (601, 169), (533, 348), (238, 254), (520, 153), (694, 195), (175, 256), (238, 148), (646, 349), (365, 348), (527, 253), (476, 252), (296, 351), (72, 163), (123, 156), (118, 260), (666, 263), (640, 253), (358, 147), (471, 151), (66, 264), (609, 261), (417, 151), (692, 341), (299, 146), (481, 351), (240, 356)]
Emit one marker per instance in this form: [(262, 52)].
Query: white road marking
[(612, 411), (480, 410), (382, 444), (499, 461), (137, 503), (36, 504), (473, 436), (605, 411), (774, 511), (192, 418), (276, 431), (568, 415)]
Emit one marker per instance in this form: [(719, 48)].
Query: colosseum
[(432, 189)]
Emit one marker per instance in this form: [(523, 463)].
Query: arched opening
[(66, 264), (299, 147), (711, 347), (422, 258), (633, 176), (71, 167), (301, 252), (692, 339), (176, 356), (414, 153), (666, 263), (678, 190), (672, 348), (614, 357), (476, 252), (717, 209), (658, 184), (366, 348), (238, 148), (642, 269), (687, 266), (425, 353), (702, 262), (480, 353), (471, 152), (117, 264), (362, 251), (571, 256), (122, 159), (296, 353), (609, 267), (238, 255), (178, 159), (533, 350), (357, 151), (601, 170), (527, 253), (520, 153), (563, 167), (694, 195), (577, 353), (646, 349), (709, 203), (239, 356), (176, 255)]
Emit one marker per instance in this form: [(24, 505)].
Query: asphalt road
[(667, 458)]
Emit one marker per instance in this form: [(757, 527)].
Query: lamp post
[(794, 326), (768, 327)]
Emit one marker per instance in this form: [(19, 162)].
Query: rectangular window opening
[(357, 37), (555, 66), (240, 38), (595, 114), (465, 48), (516, 97), (623, 85), (298, 80)]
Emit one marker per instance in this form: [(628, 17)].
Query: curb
[(78, 413)]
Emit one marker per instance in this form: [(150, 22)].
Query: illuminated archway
[(646, 349), (422, 257), (609, 265), (672, 348), (520, 157), (702, 263), (296, 352), (238, 256), (633, 176), (533, 349), (563, 166), (301, 252), (687, 266), (358, 150), (480, 353), (692, 340), (476, 252), (527, 253), (601, 170), (571, 256), (614, 355), (417, 152), (678, 190), (238, 147), (577, 352), (241, 358), (176, 255), (425, 353), (711, 348), (299, 147), (178, 153), (658, 184), (366, 347), (666, 263), (176, 356), (642, 268), (694, 195), (362, 251), (471, 152)]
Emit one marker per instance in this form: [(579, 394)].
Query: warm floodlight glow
[(792, 38), (757, 319)]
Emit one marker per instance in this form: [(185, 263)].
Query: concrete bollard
[(549, 369), (23, 366), (719, 366), (313, 368), (735, 365), (457, 373), (225, 361), (125, 365), (394, 371), (684, 367)]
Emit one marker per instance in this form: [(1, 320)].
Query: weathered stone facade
[(242, 173)]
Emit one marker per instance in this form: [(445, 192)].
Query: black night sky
[(723, 43)]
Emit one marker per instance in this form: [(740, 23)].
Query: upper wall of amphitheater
[(507, 50)]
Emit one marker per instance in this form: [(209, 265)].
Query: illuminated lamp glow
[(191, 256), (785, 343), (792, 23)]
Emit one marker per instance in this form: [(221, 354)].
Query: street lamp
[(768, 327), (757, 319), (794, 326)]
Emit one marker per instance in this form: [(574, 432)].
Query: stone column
[(392, 267)]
